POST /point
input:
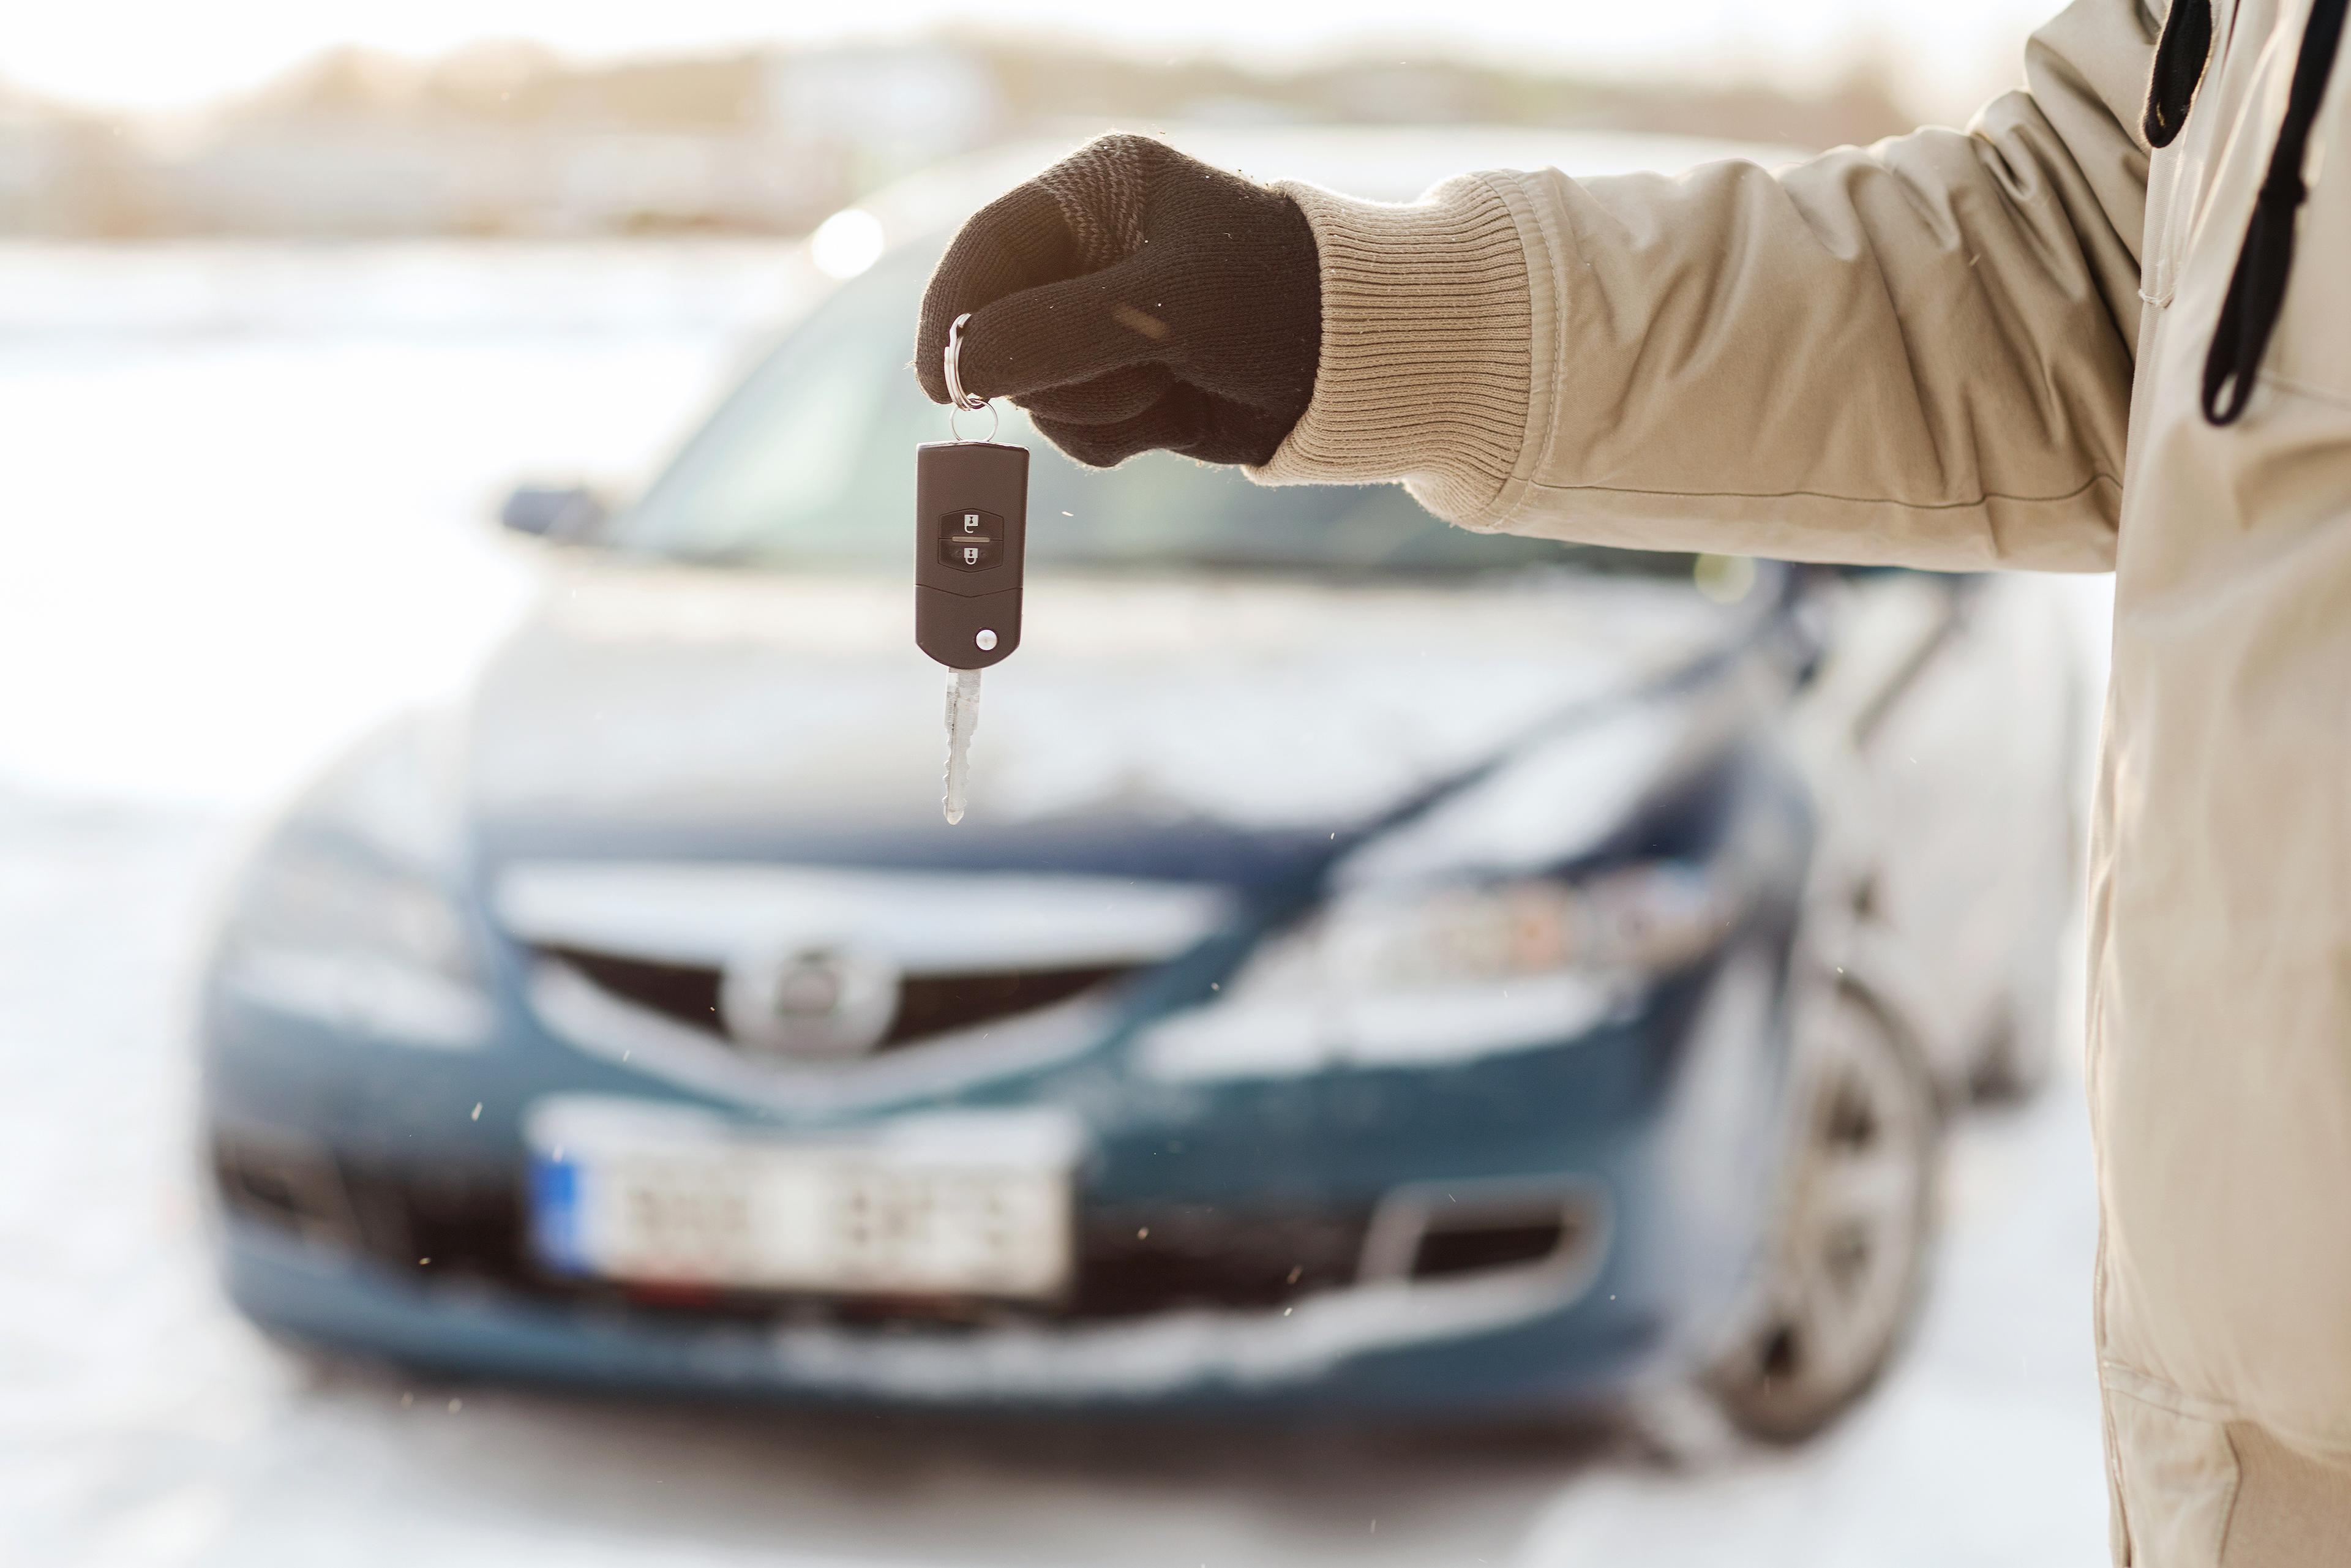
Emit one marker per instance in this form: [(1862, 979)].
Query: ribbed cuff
[(1427, 348)]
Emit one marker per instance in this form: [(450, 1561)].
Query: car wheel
[(1843, 1279)]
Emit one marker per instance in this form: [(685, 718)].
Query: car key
[(971, 510)]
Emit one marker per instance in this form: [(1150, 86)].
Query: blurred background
[(290, 295)]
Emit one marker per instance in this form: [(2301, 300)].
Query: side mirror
[(552, 511)]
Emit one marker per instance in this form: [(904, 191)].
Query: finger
[(1105, 399), (1187, 421), (1017, 241), (1177, 421), (1240, 432), (1064, 333)]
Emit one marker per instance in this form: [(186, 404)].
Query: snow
[(226, 551), (689, 911)]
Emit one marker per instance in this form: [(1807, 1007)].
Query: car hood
[(1169, 727)]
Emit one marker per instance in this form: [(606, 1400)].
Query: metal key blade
[(963, 717)]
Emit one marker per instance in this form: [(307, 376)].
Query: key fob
[(971, 515)]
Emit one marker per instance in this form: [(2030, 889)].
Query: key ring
[(959, 400)]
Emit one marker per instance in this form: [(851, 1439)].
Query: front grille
[(938, 1004), (928, 1005), (686, 992)]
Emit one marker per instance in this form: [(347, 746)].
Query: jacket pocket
[(2177, 1476), (2167, 223), (2179, 175)]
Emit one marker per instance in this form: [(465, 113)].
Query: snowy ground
[(241, 522)]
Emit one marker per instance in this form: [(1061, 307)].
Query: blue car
[(1383, 967)]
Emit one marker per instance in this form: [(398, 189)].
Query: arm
[(1916, 354)]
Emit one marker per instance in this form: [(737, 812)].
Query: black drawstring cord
[(2179, 56), (2257, 288)]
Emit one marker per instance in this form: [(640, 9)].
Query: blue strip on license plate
[(555, 1234)]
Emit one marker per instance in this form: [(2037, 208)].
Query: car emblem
[(809, 1004)]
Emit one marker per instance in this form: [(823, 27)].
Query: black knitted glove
[(1130, 297)]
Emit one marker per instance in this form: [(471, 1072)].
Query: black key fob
[(971, 515)]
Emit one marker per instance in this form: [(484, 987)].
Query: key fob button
[(971, 540)]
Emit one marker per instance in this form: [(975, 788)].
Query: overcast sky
[(173, 54)]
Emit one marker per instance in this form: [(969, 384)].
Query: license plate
[(961, 1204)]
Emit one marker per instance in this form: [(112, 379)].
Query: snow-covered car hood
[(658, 696)]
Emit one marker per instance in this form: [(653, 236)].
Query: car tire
[(1847, 1263), (2022, 1055)]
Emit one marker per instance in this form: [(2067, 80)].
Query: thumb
[(1016, 242)]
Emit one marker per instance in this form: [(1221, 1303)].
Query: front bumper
[(1519, 1343), (372, 1202)]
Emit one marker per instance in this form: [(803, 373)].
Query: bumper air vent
[(1466, 1228)]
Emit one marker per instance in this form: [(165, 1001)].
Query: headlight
[(345, 917), (1431, 973), (1626, 925)]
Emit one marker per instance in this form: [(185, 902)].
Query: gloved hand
[(1130, 299)]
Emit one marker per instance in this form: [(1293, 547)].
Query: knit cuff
[(1428, 349)]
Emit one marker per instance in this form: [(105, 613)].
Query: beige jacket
[(1980, 348)]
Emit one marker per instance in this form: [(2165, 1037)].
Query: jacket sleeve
[(1916, 354)]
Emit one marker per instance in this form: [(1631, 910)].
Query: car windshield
[(811, 464)]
